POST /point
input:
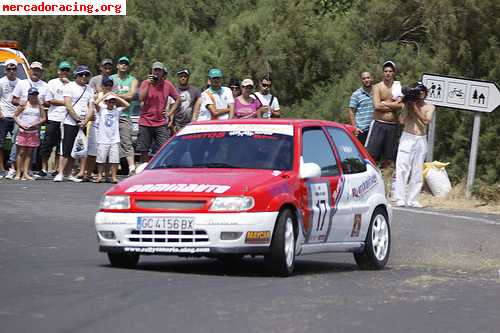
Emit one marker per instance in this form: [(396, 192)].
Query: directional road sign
[(462, 93)]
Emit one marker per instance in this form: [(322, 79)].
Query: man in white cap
[(7, 109)]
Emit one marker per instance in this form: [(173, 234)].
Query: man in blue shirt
[(361, 107)]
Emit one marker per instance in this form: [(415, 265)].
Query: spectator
[(417, 114), (217, 102), (361, 107), (189, 95), (56, 114), (106, 69), (235, 86), (382, 138), (245, 105), (108, 137), (154, 93), (78, 99), (125, 86), (269, 101), (28, 117), (7, 109)]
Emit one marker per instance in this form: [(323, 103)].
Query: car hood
[(212, 182)]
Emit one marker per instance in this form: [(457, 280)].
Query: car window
[(350, 157), (317, 149)]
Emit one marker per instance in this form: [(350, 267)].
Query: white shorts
[(92, 144), (108, 150)]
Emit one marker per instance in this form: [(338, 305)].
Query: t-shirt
[(153, 114), (96, 82), (266, 100), (246, 111), (184, 112), (80, 104), (6, 88), (123, 87), (29, 116), (223, 98), (108, 131), (22, 87), (55, 88), (362, 104)]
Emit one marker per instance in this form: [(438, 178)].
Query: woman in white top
[(28, 117)]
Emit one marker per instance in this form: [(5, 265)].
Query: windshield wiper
[(216, 165)]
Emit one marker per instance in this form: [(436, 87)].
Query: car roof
[(280, 121)]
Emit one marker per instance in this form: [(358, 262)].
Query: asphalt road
[(443, 276)]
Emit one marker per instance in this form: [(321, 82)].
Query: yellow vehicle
[(9, 50)]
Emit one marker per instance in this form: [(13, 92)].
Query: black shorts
[(6, 126), (382, 141), (151, 138), (52, 138), (69, 135)]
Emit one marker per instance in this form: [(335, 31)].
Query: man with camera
[(154, 93), (416, 115)]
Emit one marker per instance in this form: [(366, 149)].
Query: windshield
[(247, 150)]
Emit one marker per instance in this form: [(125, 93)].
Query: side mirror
[(140, 168), (309, 170)]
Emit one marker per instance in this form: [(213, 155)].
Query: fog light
[(230, 235), (107, 234)]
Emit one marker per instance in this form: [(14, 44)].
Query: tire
[(281, 260), (377, 244), (123, 260)]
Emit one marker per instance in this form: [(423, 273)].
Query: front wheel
[(123, 260), (377, 244), (281, 260)]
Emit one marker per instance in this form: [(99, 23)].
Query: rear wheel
[(377, 244), (281, 260), (124, 260)]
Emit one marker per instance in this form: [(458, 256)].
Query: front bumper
[(204, 240)]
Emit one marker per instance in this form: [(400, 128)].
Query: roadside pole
[(473, 154), (431, 136)]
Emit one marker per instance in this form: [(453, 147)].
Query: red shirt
[(152, 113)]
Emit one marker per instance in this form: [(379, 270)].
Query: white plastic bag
[(437, 179), (80, 146)]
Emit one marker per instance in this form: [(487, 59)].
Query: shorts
[(126, 148), (108, 153), (52, 138), (149, 135), (28, 139), (6, 126), (382, 140), (92, 142), (69, 135)]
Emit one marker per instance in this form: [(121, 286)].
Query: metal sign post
[(464, 94)]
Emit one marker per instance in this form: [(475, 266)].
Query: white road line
[(419, 211)]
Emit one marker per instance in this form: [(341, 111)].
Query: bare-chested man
[(382, 138), (417, 114)]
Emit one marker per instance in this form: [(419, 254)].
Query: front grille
[(170, 204), (171, 236)]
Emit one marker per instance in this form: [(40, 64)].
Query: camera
[(412, 94), (153, 77)]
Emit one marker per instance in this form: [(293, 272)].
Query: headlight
[(232, 204), (115, 202)]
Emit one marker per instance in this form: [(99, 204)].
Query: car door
[(360, 182), (321, 206)]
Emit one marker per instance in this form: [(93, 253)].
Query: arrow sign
[(462, 93)]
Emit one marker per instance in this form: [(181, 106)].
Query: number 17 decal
[(320, 208)]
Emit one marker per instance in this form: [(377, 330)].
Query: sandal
[(96, 181)]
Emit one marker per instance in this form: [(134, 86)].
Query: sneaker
[(415, 204), (400, 203), (131, 171), (53, 173), (58, 178), (3, 173), (34, 175), (42, 173), (10, 174), (74, 179)]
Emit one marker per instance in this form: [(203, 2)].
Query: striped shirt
[(362, 104)]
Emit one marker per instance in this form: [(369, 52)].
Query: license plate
[(179, 223)]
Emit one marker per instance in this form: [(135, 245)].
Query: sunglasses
[(266, 85), (108, 85), (11, 69), (235, 88), (83, 74), (65, 69)]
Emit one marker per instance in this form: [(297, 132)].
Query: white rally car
[(225, 189)]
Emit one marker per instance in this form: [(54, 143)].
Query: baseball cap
[(36, 64), (32, 91), (108, 61), (10, 62), (389, 63), (183, 70), (247, 82), (214, 72), (82, 69), (124, 59), (110, 96), (64, 64), (106, 80), (158, 65)]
